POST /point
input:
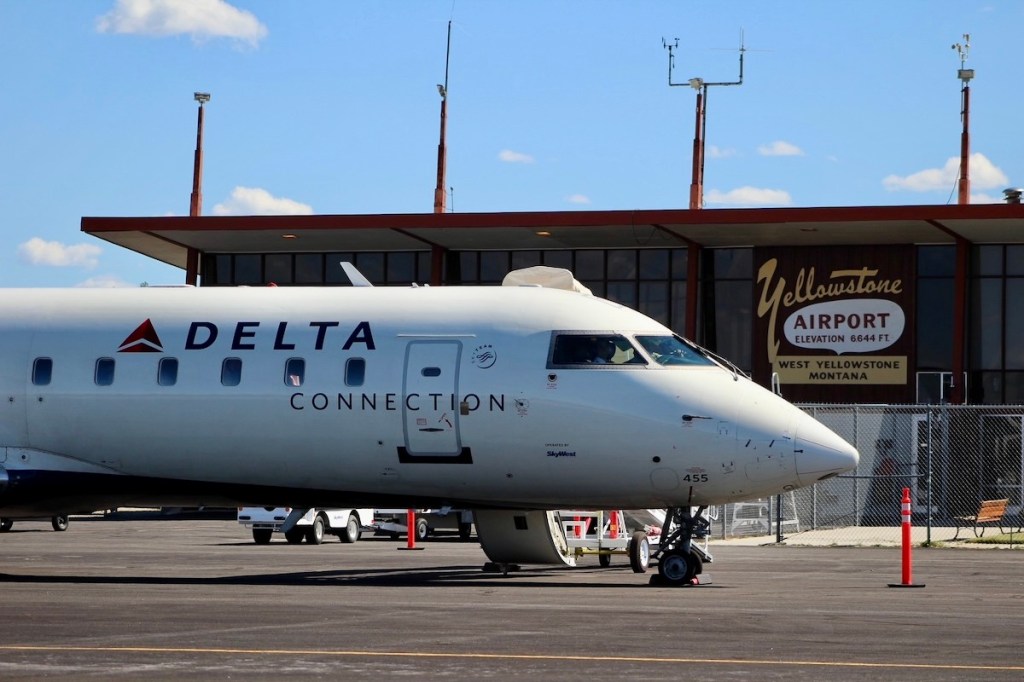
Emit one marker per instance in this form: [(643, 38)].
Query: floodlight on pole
[(442, 145), (196, 202), (196, 205)]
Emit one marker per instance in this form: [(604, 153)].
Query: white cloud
[(749, 196), (256, 201), (200, 19), (984, 175), (41, 252), (104, 282), (578, 199), (509, 156), (780, 148), (716, 152)]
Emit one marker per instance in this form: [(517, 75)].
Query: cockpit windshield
[(594, 350), (673, 350)]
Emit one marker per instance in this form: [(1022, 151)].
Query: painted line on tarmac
[(507, 657)]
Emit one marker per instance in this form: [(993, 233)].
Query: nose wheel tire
[(677, 567)]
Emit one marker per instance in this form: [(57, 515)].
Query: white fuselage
[(350, 396)]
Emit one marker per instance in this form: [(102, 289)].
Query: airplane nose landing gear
[(677, 567), (679, 560)]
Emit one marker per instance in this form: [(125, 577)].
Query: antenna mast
[(701, 86)]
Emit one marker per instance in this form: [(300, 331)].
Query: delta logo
[(143, 340), (243, 336)]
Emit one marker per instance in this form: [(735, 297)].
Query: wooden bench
[(989, 512)]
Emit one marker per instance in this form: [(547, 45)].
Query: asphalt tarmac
[(173, 599)]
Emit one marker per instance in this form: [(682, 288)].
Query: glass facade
[(314, 269), (726, 304), (650, 280), (936, 266), (996, 324)]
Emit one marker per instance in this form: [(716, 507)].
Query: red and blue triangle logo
[(143, 340)]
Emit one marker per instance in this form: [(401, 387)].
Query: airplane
[(484, 398)]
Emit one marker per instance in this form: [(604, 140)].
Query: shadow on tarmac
[(446, 576)]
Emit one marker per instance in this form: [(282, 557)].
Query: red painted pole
[(907, 569), (964, 186), (697, 179), (410, 525), (907, 544)]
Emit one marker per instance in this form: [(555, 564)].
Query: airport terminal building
[(840, 305)]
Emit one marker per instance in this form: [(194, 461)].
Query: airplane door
[(430, 404), (13, 379)]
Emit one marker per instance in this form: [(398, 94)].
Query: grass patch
[(998, 539)]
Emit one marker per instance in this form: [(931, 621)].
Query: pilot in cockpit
[(604, 351)]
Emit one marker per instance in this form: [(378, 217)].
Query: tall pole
[(965, 75), (964, 189), (196, 205), (195, 208), (442, 146), (958, 393), (697, 172)]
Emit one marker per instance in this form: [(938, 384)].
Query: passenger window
[(231, 372), (104, 371), (594, 350), (167, 372), (294, 372), (355, 371), (42, 371)]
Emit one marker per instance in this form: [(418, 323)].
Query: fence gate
[(1002, 459), (925, 439)]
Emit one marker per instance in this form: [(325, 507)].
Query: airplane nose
[(820, 453)]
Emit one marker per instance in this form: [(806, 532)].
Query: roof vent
[(1013, 195)]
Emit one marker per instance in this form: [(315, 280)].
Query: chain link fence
[(951, 457)]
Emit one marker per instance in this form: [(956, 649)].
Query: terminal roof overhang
[(168, 239)]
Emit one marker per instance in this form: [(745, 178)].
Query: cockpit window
[(672, 350), (594, 350)]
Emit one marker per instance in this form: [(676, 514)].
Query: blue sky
[(324, 106)]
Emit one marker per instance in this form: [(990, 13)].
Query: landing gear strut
[(679, 560)]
